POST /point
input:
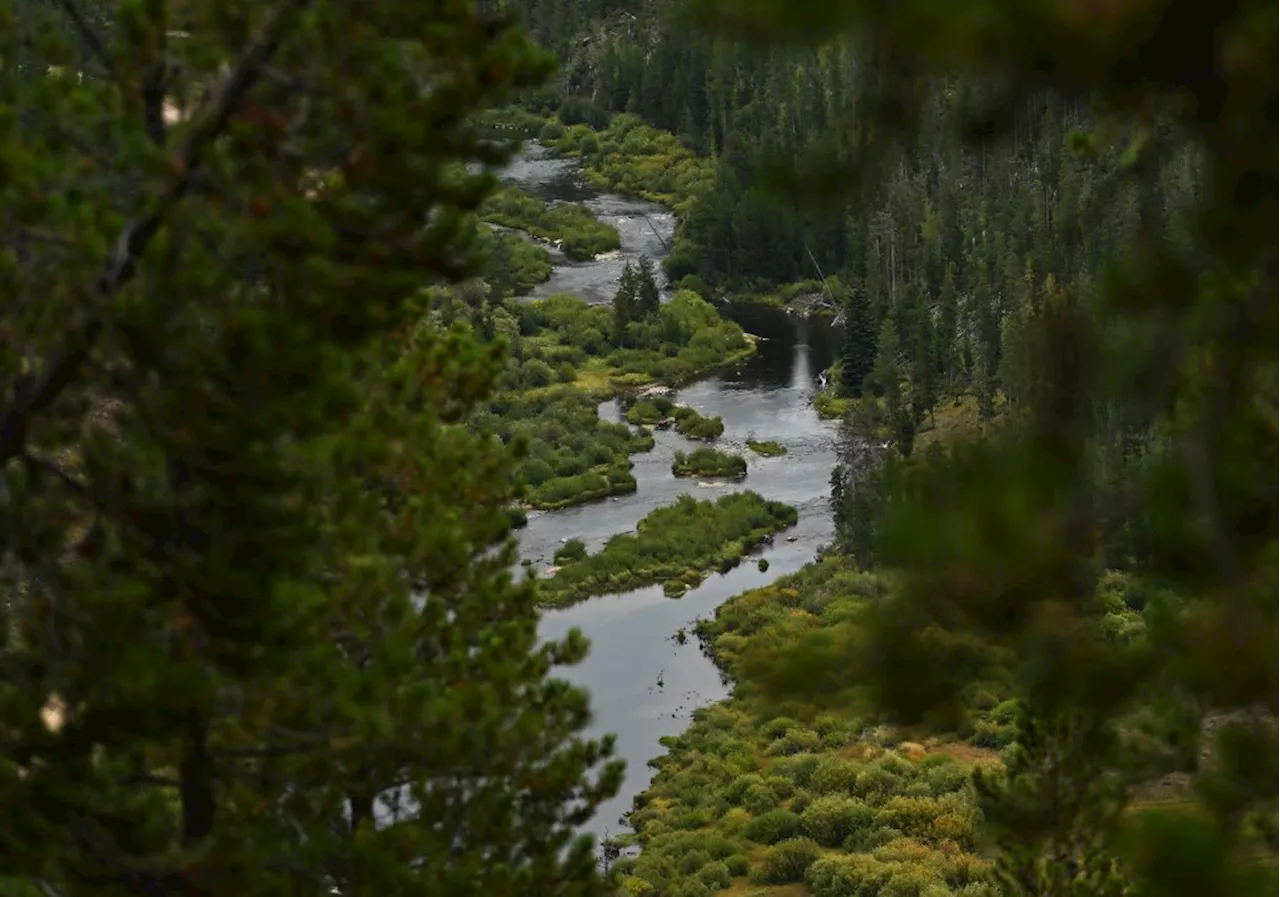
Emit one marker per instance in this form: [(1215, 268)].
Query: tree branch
[(44, 465), (34, 394), (90, 37)]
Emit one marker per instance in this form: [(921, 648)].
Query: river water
[(643, 683)]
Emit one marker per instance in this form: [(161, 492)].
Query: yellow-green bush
[(785, 862)]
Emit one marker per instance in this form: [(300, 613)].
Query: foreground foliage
[(677, 542), (251, 563)]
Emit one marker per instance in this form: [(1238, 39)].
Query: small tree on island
[(648, 297)]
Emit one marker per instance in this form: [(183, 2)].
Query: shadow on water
[(644, 684)]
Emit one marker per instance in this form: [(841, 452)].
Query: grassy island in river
[(707, 462), (680, 541), (578, 232)]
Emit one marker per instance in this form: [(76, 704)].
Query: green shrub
[(1005, 713), (736, 790), (692, 887), (707, 462), (759, 799), (786, 862), (846, 876), (799, 768), (834, 775), (631, 886), (990, 735), (693, 425), (780, 786), (945, 778), (800, 802), (796, 741), (832, 819), (650, 411), (883, 778), (768, 449), (762, 565), (573, 550), (692, 861), (735, 820), (737, 865), (772, 827), (871, 839), (778, 726), (715, 875)]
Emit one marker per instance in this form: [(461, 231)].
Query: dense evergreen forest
[(941, 267)]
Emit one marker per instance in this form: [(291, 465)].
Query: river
[(643, 684)]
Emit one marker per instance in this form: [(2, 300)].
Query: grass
[(571, 226), (948, 421), (768, 448), (829, 405)]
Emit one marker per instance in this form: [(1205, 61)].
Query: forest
[(274, 399), (1011, 282)]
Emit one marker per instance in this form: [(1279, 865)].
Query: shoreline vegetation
[(571, 456), (805, 786), (630, 157), (663, 413), (519, 264), (679, 542), (707, 462), (758, 792), (767, 448), (687, 338), (563, 359), (571, 227)]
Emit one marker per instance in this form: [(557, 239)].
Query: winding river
[(643, 683)]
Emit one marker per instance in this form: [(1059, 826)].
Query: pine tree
[(950, 363), (625, 302), (858, 344), (647, 296), (887, 373), (259, 636)]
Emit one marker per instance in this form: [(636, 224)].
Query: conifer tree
[(259, 634), (948, 354), (625, 302), (858, 344), (647, 295)]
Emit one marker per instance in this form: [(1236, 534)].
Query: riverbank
[(764, 792), (643, 682)]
